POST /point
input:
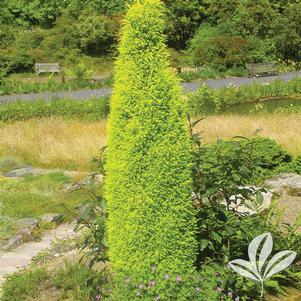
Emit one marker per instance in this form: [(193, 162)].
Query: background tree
[(148, 184), (97, 33), (71, 31), (183, 19)]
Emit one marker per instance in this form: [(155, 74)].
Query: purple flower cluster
[(142, 288)]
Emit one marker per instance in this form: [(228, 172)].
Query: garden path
[(187, 87), (10, 262)]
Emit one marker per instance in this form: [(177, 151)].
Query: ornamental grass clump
[(149, 182)]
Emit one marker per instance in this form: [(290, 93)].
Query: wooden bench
[(47, 68), (186, 69), (263, 69)]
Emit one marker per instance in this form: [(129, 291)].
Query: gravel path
[(187, 87), (10, 262)]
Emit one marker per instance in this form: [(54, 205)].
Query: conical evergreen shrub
[(148, 184)]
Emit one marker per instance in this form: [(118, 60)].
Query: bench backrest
[(51, 68), (185, 69)]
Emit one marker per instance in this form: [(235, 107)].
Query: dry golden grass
[(53, 142), (285, 129)]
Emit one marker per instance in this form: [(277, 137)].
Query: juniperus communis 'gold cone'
[(148, 185)]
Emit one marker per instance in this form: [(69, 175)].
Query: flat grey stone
[(12, 243), (27, 223), (285, 183), (20, 172), (25, 226)]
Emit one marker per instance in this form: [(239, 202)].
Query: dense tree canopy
[(265, 30)]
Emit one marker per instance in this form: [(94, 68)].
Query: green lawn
[(33, 196)]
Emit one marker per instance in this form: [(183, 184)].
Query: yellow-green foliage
[(148, 184)]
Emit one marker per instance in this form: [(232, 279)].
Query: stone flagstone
[(10, 262)]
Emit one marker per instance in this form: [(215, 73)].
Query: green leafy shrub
[(148, 166), (92, 217), (220, 243), (238, 71), (222, 52), (268, 154), (271, 32), (183, 18), (225, 168), (80, 72), (97, 33), (296, 165), (223, 46), (93, 109), (270, 158), (76, 281), (19, 46), (292, 167), (224, 236), (222, 172)]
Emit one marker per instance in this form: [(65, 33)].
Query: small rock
[(69, 187), (50, 217), (288, 183), (96, 178), (27, 223), (267, 200), (21, 172), (26, 228), (12, 243)]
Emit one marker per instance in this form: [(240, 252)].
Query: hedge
[(210, 101), (205, 101), (9, 86), (93, 109)]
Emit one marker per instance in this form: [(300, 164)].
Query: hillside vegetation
[(216, 34)]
